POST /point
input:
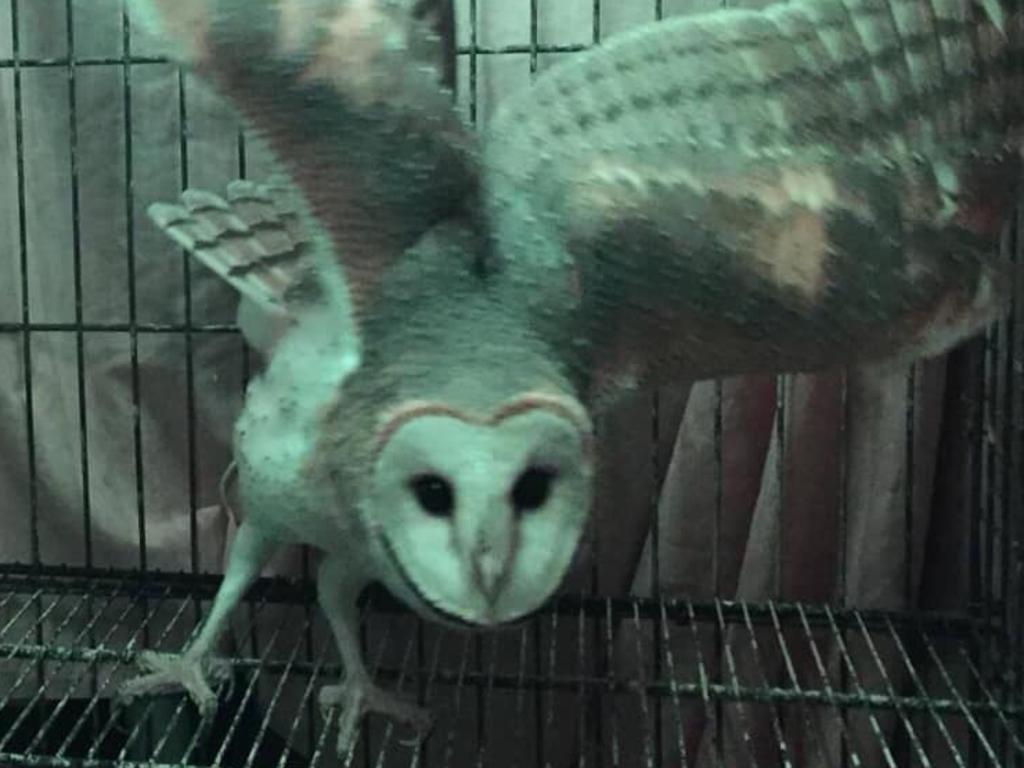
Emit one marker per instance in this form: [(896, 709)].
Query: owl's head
[(479, 515), (471, 452)]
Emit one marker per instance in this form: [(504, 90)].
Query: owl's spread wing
[(354, 97), (807, 185), (253, 239)]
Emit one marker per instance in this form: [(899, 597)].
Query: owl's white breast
[(278, 430)]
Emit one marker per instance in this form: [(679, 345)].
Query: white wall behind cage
[(121, 373)]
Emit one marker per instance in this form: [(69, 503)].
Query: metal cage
[(915, 689)]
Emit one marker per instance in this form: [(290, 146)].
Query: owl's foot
[(168, 672), (360, 697)]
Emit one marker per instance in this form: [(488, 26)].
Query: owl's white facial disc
[(481, 518)]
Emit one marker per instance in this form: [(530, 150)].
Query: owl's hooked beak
[(489, 549)]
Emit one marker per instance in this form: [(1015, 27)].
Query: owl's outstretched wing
[(254, 240), (354, 98), (812, 184)]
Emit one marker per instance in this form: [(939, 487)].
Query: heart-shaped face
[(480, 516)]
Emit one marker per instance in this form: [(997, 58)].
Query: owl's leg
[(357, 695), (192, 670)]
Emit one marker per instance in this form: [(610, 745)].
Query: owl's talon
[(357, 698), (169, 672)]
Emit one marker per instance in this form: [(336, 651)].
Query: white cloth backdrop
[(740, 528)]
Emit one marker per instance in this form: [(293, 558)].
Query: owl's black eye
[(434, 494), (532, 489)]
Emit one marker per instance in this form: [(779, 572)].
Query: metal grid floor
[(589, 682)]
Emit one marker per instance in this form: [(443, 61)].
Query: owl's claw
[(168, 672), (360, 697)]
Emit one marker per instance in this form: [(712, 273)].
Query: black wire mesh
[(647, 677), (62, 717)]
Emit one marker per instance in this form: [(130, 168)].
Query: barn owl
[(445, 312)]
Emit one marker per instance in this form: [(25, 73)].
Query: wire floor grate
[(589, 679)]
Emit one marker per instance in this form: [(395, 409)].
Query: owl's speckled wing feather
[(806, 185), (354, 97), (253, 239)]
